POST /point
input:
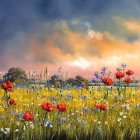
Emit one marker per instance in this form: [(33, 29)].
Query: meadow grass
[(81, 121)]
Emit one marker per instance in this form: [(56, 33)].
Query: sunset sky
[(81, 36)]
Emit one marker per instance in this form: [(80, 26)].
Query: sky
[(81, 36)]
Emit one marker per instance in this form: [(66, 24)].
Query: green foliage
[(16, 75)]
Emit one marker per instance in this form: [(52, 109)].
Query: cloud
[(127, 28), (79, 34), (91, 34), (80, 63), (25, 16), (66, 47), (62, 43), (133, 26)]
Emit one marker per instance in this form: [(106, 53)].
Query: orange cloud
[(133, 26), (73, 50)]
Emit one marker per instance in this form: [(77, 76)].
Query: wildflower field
[(108, 112)]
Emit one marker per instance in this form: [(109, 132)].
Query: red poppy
[(108, 81), (28, 116), (48, 106), (8, 86), (128, 80), (62, 107), (129, 72), (4, 86), (102, 107), (12, 101), (120, 74), (10, 89)]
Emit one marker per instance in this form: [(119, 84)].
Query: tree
[(71, 81), (55, 78), (78, 81), (55, 81), (81, 81), (16, 75)]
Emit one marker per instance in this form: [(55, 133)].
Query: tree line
[(18, 75)]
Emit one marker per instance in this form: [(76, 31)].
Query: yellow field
[(82, 120)]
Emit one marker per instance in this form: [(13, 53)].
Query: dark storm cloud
[(25, 15), (15, 16)]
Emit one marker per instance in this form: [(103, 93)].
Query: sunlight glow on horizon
[(80, 63)]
